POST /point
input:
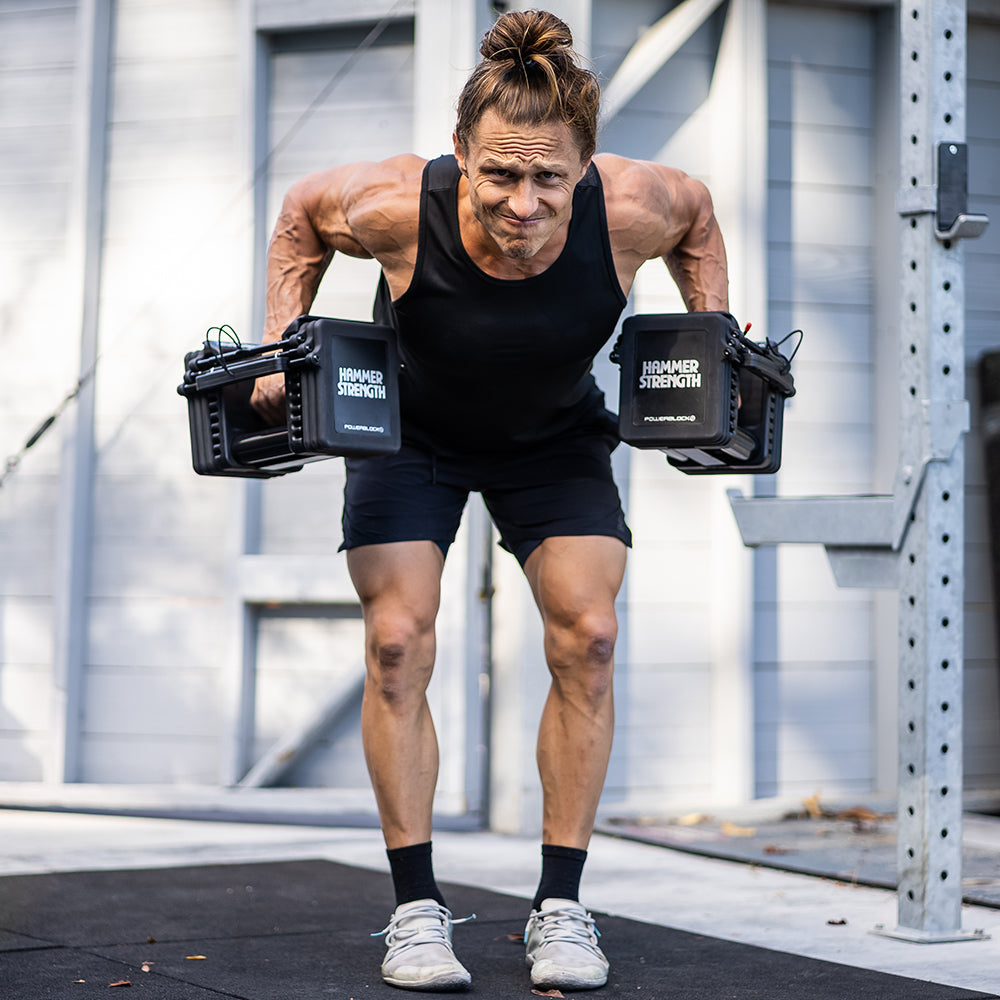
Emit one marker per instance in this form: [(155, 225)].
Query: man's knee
[(582, 652), (400, 656)]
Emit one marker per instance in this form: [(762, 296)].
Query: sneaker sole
[(565, 979), (452, 981)]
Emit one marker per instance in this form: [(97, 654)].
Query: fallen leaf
[(837, 923), (151, 940), (195, 958), (79, 980), (732, 830), (146, 965), (548, 993), (812, 806), (121, 982), (774, 849), (516, 938), (691, 819)]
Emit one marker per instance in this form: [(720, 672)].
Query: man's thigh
[(398, 498), (569, 492)]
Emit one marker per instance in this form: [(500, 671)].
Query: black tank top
[(491, 364)]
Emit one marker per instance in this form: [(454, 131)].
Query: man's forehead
[(500, 140)]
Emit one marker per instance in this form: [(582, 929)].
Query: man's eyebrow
[(517, 164)]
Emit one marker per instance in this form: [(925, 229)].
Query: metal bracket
[(861, 534), (943, 422), (948, 200)]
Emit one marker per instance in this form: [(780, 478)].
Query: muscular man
[(504, 271)]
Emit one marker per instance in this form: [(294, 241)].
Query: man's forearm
[(698, 267), (296, 261)]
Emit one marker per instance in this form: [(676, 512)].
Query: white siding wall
[(178, 254), (664, 730), (37, 65), (175, 261), (813, 648), (368, 116)]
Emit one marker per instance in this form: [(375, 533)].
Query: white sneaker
[(561, 947), (419, 955)]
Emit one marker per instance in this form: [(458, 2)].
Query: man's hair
[(529, 75)]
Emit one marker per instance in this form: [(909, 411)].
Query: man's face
[(521, 181)]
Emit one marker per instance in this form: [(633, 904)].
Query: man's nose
[(523, 200)]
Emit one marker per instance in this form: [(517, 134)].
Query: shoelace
[(568, 925), (401, 938)]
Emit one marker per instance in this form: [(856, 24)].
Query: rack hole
[(944, 748), (911, 769), (945, 664), (909, 894), (945, 706), (910, 810), (913, 348), (947, 328), (912, 685), (913, 265), (946, 369), (947, 286), (944, 833), (913, 307), (944, 623), (946, 496), (945, 580), (944, 789), (947, 33), (912, 642), (913, 558), (947, 119), (910, 852), (912, 600), (945, 537), (944, 875), (947, 76), (913, 390)]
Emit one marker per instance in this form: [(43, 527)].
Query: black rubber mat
[(302, 931)]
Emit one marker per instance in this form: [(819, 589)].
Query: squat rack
[(913, 539)]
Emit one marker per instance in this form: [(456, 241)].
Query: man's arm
[(657, 211), (352, 209), (697, 262)]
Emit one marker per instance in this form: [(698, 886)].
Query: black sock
[(562, 868), (413, 873)]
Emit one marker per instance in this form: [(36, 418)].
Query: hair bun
[(523, 35)]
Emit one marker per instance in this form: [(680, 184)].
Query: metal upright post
[(913, 539), (932, 411)]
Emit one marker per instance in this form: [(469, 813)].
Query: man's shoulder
[(381, 202), (398, 176), (628, 181)]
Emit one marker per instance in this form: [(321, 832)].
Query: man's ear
[(459, 152)]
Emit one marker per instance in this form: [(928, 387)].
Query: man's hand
[(268, 398)]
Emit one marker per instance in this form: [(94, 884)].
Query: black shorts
[(559, 488)]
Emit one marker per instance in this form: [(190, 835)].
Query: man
[(504, 271)]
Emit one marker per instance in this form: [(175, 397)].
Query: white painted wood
[(655, 47), (73, 516)]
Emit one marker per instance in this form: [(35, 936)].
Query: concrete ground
[(800, 914)]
